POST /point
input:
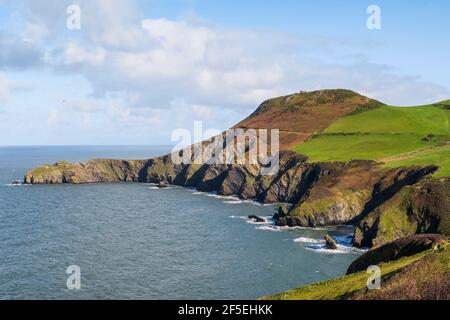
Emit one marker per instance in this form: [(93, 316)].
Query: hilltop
[(298, 116)]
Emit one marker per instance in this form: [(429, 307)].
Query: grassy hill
[(300, 115), (421, 276), (394, 135)]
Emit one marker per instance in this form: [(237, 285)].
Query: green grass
[(386, 132), (416, 120), (338, 288), (439, 156), (360, 147)]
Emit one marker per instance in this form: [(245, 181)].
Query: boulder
[(330, 243), (256, 219)]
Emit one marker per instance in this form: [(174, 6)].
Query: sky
[(137, 70)]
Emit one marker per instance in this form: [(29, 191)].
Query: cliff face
[(417, 208), (321, 194), (94, 171)]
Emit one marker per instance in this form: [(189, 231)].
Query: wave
[(233, 202), (287, 228), (17, 185), (344, 240), (340, 249), (158, 188), (344, 245), (229, 199), (307, 240), (268, 228), (239, 217)]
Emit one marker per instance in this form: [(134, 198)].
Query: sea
[(136, 241)]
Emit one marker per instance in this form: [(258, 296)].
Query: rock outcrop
[(395, 250), (330, 243), (94, 171), (256, 219), (321, 194), (416, 208), (342, 193)]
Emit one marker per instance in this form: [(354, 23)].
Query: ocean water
[(135, 241)]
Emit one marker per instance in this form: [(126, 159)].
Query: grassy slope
[(386, 132), (341, 288), (439, 156)]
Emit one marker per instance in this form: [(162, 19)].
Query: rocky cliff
[(395, 250), (383, 204), (321, 194)]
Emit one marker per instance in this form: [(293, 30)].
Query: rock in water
[(330, 243), (256, 219), (163, 184), (283, 211)]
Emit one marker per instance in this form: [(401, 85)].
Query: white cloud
[(7, 86), (159, 60), (153, 75), (74, 54), (35, 32)]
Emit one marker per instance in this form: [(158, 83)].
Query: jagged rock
[(395, 250), (330, 243), (256, 219), (283, 211)]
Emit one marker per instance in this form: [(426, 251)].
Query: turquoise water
[(134, 241)]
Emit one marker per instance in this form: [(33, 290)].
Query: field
[(396, 136), (439, 156)]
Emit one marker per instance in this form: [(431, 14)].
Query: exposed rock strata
[(416, 208), (395, 250)]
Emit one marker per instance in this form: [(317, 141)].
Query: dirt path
[(412, 154)]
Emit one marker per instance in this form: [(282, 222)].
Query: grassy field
[(404, 135), (416, 120), (439, 156)]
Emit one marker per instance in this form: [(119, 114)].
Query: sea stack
[(330, 243)]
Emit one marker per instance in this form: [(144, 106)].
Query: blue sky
[(137, 70)]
